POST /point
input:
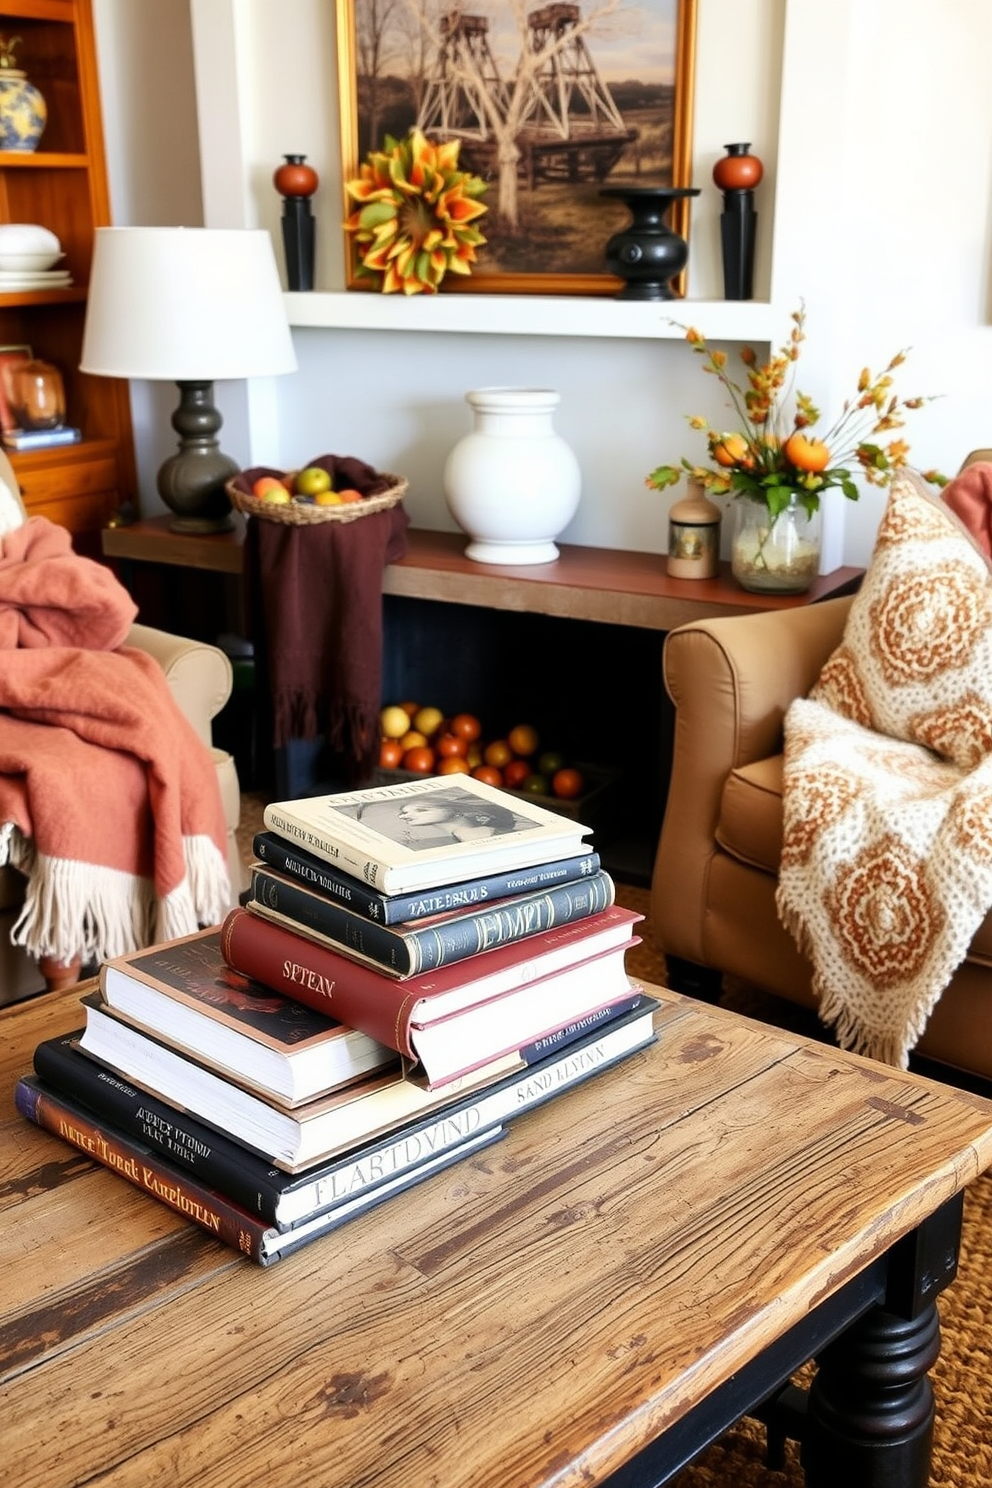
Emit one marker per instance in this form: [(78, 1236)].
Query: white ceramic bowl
[(25, 247), (27, 263)]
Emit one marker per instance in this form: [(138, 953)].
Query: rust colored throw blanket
[(316, 598), (969, 496), (109, 802)]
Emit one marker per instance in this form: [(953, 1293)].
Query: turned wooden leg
[(59, 974), (870, 1413)]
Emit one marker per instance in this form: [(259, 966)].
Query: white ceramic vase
[(512, 484)]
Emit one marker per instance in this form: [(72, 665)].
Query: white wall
[(873, 118), (145, 51)]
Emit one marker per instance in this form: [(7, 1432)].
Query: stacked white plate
[(13, 280)]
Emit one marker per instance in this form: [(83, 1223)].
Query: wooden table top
[(531, 1316)]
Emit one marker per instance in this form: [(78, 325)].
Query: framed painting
[(549, 103)]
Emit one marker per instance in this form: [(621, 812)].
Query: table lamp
[(188, 305)]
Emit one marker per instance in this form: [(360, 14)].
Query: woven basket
[(303, 513)]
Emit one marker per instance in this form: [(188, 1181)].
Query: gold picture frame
[(562, 223)]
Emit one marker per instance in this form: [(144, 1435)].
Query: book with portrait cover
[(186, 990), (439, 1022), (420, 946), (176, 1187), (287, 857), (286, 1200), (420, 834)]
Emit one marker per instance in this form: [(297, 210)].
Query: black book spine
[(419, 949), (214, 1159), (143, 1166), (285, 856)]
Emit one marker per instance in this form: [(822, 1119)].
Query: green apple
[(312, 480)]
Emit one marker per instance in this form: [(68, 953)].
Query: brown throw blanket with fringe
[(315, 593)]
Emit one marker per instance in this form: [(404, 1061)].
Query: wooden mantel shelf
[(610, 586)]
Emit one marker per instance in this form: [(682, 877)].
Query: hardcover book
[(187, 991), (420, 834), (393, 909), (180, 1190), (286, 1200), (29, 439), (290, 1139), (455, 1018), (420, 946)]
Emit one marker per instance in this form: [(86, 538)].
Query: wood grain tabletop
[(532, 1316)]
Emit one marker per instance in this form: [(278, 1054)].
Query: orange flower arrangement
[(416, 214), (773, 456)]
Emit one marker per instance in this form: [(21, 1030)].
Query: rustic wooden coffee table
[(592, 1300)]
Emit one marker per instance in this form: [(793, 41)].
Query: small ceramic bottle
[(694, 536)]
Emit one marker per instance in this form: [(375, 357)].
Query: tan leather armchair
[(200, 677), (715, 873)]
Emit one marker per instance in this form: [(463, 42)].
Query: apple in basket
[(312, 481), (268, 488)]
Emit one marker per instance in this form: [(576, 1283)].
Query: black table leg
[(869, 1418)]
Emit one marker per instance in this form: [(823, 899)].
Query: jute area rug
[(962, 1376)]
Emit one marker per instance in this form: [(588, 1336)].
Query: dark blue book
[(420, 946), (395, 909)]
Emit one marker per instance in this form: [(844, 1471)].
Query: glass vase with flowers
[(778, 469)]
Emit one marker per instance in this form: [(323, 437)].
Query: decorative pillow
[(915, 661)]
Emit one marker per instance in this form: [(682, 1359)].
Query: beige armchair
[(713, 888), (200, 677)]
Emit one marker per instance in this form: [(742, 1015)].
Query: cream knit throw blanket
[(887, 852)]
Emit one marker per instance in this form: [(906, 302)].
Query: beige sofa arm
[(199, 674), (731, 681)]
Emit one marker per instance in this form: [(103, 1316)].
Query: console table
[(592, 1300), (574, 645), (605, 585)]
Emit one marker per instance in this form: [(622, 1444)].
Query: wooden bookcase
[(63, 186)]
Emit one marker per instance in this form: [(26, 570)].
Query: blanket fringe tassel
[(837, 1016), (74, 909)]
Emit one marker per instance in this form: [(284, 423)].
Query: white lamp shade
[(185, 304)]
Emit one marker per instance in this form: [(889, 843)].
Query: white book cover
[(419, 834)]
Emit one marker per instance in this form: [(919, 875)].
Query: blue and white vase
[(23, 113)]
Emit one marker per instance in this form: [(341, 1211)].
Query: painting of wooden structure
[(570, 126)]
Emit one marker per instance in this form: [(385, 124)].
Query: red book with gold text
[(461, 1016)]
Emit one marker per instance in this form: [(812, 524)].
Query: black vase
[(647, 254)]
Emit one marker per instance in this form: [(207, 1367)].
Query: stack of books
[(274, 1076)]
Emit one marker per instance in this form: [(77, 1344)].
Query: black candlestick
[(296, 182), (738, 222), (737, 174)]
